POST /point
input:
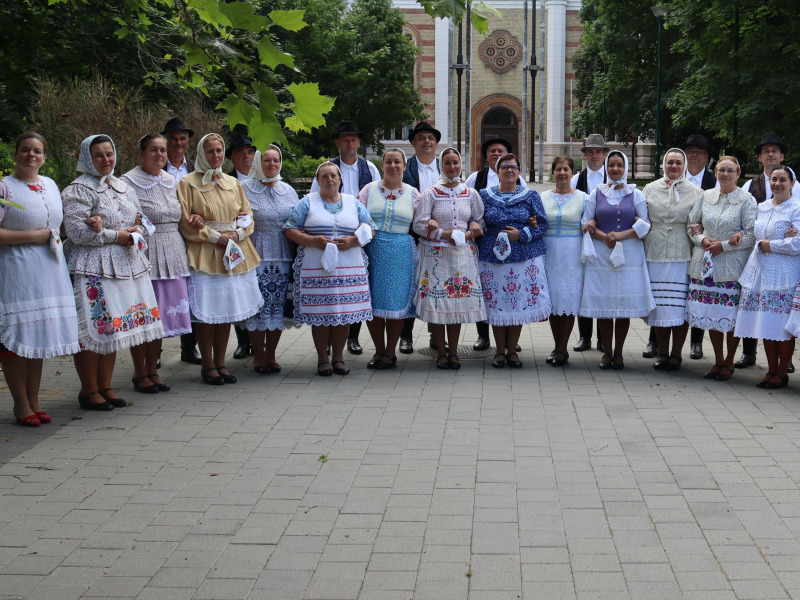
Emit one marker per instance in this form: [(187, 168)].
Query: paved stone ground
[(543, 483)]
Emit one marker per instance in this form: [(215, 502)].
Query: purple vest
[(614, 218)]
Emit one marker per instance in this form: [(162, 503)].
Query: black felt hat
[(175, 124), (487, 143), (346, 127), (239, 141), (698, 141), (424, 126), (771, 138)]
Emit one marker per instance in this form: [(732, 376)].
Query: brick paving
[(545, 483)]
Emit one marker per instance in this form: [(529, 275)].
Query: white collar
[(591, 170), (431, 165)]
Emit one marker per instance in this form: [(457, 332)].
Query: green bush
[(7, 162), (302, 166)]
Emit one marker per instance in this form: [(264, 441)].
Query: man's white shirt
[(593, 178), (698, 179), (178, 172), (350, 177), (768, 188), (428, 174), (491, 180)]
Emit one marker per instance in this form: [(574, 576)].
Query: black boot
[(353, 347), (244, 349), (406, 337), (652, 346), (748, 358), (189, 352), (483, 336), (584, 335)]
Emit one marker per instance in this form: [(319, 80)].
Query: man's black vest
[(364, 176), (583, 180)]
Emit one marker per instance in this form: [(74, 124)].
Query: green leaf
[(289, 19), (122, 32), (484, 9), (10, 203), (265, 130), (195, 55), (271, 56), (240, 112), (242, 15), (267, 99), (309, 106), (481, 24), (454, 9)]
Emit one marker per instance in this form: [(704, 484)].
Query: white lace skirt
[(224, 298)]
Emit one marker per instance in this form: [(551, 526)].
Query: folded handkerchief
[(364, 234), (502, 247), (243, 221), (587, 249), (707, 269), (138, 242), (330, 257), (617, 255), (459, 238), (148, 225), (56, 247), (233, 255)]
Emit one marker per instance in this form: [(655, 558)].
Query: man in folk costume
[(771, 152), (697, 152), (356, 173), (422, 171), (492, 150), (594, 155), (178, 165), (241, 153)]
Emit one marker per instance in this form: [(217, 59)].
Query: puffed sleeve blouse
[(159, 201), (219, 203), (271, 207), (95, 253), (722, 215), (452, 208)]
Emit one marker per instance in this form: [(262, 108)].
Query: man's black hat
[(771, 138), (346, 127), (487, 143), (239, 141), (175, 124), (424, 126)]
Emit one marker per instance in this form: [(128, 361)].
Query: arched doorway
[(500, 123)]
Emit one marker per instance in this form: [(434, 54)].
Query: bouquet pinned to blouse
[(502, 247), (233, 255), (138, 241), (56, 247), (707, 270)]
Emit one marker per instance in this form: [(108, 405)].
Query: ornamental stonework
[(500, 51)]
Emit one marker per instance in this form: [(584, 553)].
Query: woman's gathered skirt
[(515, 293)]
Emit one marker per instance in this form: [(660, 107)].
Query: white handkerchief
[(708, 265), (233, 255), (138, 242), (502, 247), (617, 255), (243, 221), (588, 255), (364, 234), (148, 224), (330, 258), (56, 247), (458, 237)]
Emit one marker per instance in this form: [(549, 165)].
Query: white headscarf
[(201, 163), (257, 170), (607, 188), (674, 185), (85, 163), (443, 179)]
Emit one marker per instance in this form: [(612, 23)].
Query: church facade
[(497, 68)]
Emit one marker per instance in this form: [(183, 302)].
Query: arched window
[(500, 123)]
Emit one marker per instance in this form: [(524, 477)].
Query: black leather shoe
[(650, 350), (746, 360), (697, 352), (353, 347), (406, 346), (790, 368), (243, 350), (191, 356), (481, 344), (583, 344)]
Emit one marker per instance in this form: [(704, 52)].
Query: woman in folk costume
[(223, 288), (449, 218), (110, 271), (668, 250), (392, 257), (616, 286), (331, 287)]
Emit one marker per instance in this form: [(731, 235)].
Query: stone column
[(555, 69), (443, 52)]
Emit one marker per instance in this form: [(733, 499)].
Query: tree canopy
[(729, 70)]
